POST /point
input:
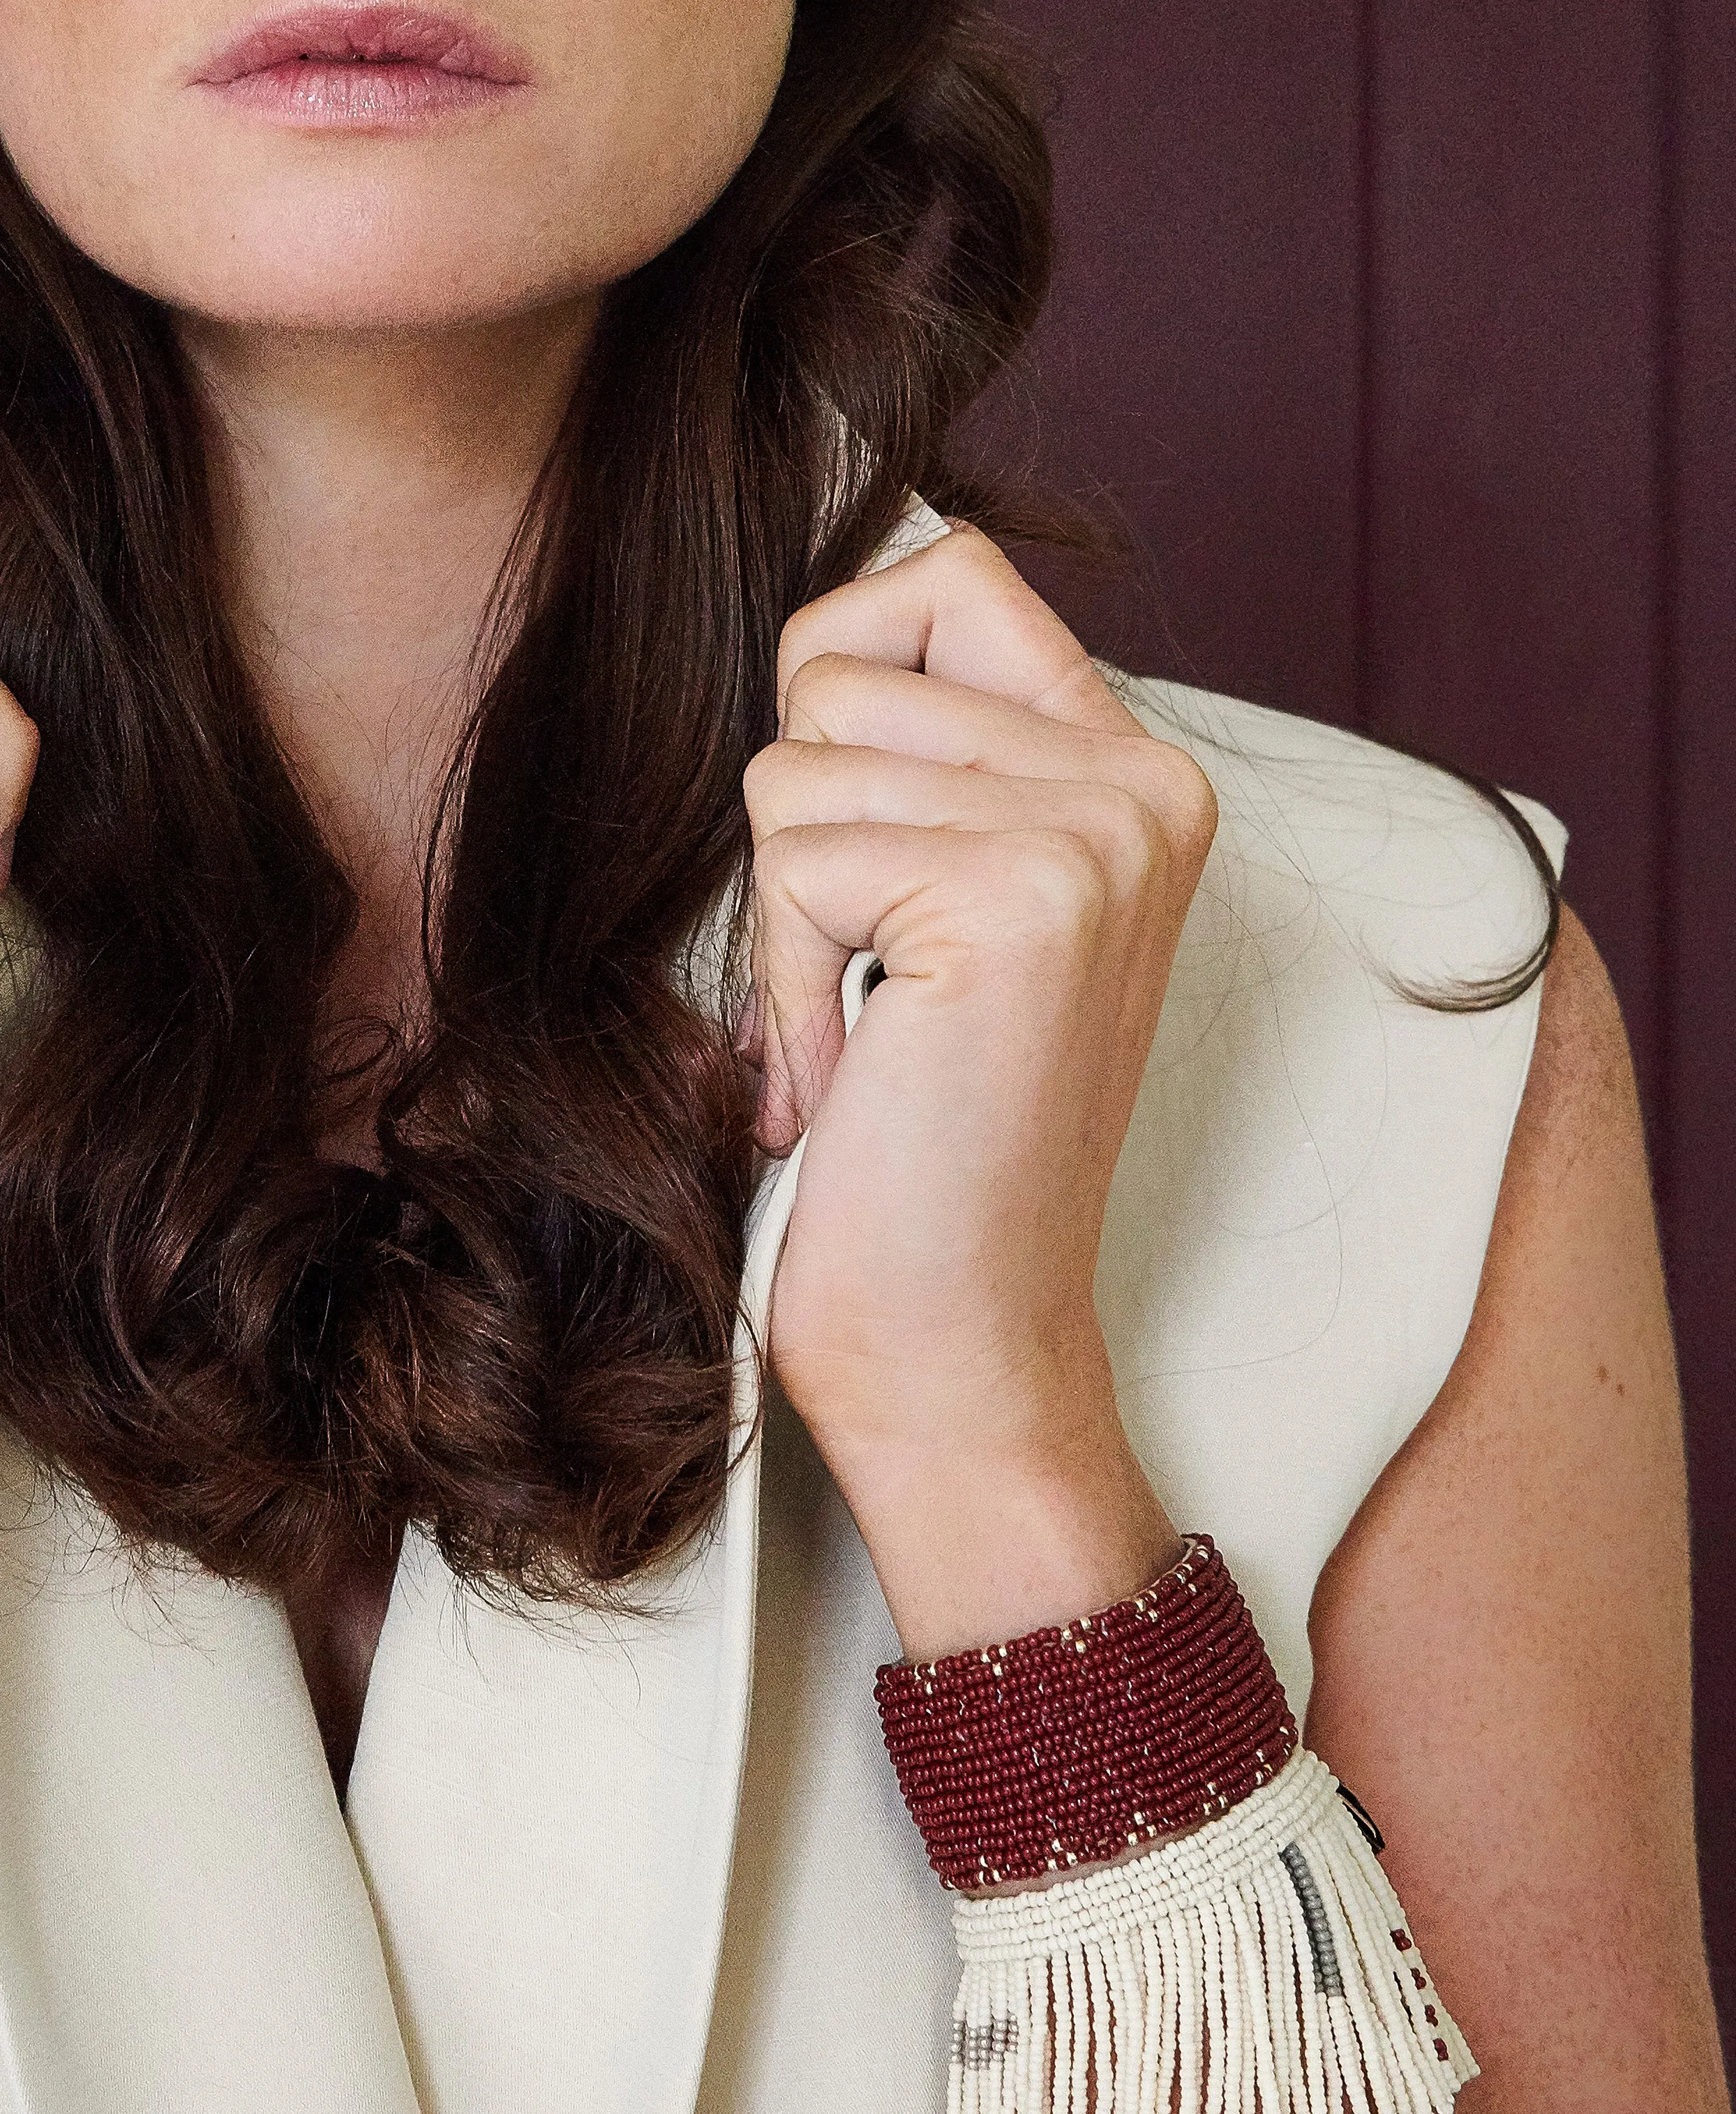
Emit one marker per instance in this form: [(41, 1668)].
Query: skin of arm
[(1502, 1639)]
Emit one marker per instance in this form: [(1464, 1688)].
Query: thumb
[(20, 744)]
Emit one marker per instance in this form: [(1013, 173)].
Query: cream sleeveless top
[(1294, 1237), (570, 1880)]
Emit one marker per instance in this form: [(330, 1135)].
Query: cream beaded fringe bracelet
[(1256, 1958), (1262, 1962)]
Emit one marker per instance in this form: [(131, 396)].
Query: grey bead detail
[(1328, 1979), (981, 2048)]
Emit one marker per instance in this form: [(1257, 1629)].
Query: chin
[(411, 238), (350, 280), (374, 258)]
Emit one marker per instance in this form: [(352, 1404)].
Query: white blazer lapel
[(544, 1810), (183, 1929)]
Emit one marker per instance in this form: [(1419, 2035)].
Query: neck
[(370, 486)]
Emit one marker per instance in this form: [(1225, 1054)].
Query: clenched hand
[(957, 787)]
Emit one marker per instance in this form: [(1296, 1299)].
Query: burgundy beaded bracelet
[(1069, 1745)]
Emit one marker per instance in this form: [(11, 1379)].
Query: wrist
[(973, 1548)]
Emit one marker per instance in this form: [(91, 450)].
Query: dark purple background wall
[(1404, 332)]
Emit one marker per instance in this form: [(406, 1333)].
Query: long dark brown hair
[(519, 1335)]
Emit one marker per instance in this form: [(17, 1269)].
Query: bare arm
[(1501, 1639)]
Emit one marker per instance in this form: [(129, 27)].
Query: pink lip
[(361, 69)]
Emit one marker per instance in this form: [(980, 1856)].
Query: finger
[(19, 745), (959, 610), (798, 1015), (936, 905), (791, 784), (835, 698)]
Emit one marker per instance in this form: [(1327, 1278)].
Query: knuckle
[(990, 578), (1058, 882), (987, 585), (1130, 830), (802, 641), (773, 862), (1180, 797), (1192, 812), (798, 628), (786, 858), (790, 783), (969, 548), (764, 771), (982, 569), (760, 765), (818, 685)]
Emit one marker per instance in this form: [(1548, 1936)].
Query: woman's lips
[(361, 68)]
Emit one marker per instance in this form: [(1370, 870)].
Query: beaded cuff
[(1072, 1744)]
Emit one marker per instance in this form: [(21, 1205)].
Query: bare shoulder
[(1580, 1094), (1501, 1638), (1571, 1274)]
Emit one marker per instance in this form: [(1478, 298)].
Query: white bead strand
[(1263, 1962)]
